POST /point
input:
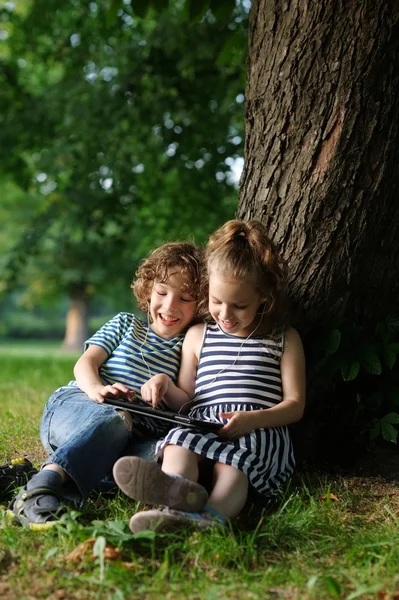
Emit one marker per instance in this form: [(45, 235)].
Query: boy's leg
[(84, 438)]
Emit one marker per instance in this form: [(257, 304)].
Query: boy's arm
[(87, 376), (161, 387)]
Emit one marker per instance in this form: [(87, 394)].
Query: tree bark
[(76, 330), (322, 150)]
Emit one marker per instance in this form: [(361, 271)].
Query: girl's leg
[(174, 485), (180, 461), (227, 499), (230, 490)]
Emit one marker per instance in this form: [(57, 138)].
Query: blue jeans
[(85, 439)]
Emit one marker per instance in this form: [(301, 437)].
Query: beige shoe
[(144, 480), (172, 520)]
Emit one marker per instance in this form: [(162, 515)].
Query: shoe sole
[(154, 520), (145, 481), (158, 521)]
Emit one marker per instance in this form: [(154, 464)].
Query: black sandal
[(15, 474), (37, 509)]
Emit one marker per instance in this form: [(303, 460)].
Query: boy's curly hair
[(155, 267)]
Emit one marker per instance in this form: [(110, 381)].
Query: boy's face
[(171, 309)]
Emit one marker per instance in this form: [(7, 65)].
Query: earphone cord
[(228, 366), (217, 374), (144, 341)]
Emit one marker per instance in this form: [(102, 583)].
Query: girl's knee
[(230, 472)]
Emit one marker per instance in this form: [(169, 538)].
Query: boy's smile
[(171, 309)]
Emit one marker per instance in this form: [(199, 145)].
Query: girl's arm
[(292, 406), (87, 376), (161, 387)]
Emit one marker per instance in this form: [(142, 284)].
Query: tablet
[(175, 419)]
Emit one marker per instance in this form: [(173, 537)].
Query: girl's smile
[(233, 304)]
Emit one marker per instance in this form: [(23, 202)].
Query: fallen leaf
[(85, 550), (329, 497)]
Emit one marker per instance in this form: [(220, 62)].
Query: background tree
[(126, 133), (322, 150)]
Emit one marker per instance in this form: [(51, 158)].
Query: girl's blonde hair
[(242, 250), (184, 255)]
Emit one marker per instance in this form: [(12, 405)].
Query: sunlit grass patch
[(327, 537)]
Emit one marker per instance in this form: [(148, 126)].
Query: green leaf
[(312, 582), (392, 417), (332, 586), (140, 7), (350, 370), (160, 5), (388, 432), (196, 8), (389, 358), (394, 347), (375, 429), (385, 332), (332, 342), (99, 546), (112, 12), (370, 361), (222, 10)]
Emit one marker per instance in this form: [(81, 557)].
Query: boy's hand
[(99, 392), (155, 389), (240, 423)]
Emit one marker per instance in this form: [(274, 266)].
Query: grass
[(326, 538)]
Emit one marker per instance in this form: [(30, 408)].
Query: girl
[(246, 370), (83, 435)]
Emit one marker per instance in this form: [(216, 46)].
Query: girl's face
[(233, 304), (171, 309)]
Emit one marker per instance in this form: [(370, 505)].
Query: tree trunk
[(76, 332), (322, 150)]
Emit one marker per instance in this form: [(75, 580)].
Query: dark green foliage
[(191, 9), (122, 130), (365, 369)]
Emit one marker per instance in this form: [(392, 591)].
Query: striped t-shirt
[(135, 352)]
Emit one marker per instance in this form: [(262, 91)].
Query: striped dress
[(135, 354), (239, 374)]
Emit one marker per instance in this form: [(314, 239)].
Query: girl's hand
[(240, 423), (99, 392), (155, 389)]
